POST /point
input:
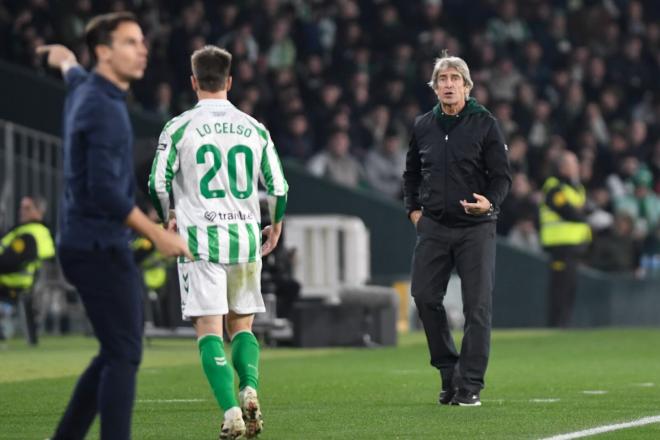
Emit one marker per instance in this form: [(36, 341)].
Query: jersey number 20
[(216, 155)]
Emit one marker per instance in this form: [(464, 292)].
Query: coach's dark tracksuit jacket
[(449, 159)]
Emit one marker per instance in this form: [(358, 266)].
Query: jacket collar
[(471, 107), (106, 85)]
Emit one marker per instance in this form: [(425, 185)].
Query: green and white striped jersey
[(209, 159)]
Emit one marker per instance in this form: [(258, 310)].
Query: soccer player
[(209, 158)]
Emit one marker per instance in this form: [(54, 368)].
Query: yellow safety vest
[(556, 231), (45, 249), (154, 266)]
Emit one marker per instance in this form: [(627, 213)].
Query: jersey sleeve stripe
[(262, 133), (153, 193), (280, 208), (267, 172), (171, 157), (278, 185)]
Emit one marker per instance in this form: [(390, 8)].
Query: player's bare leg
[(245, 356), (219, 374)]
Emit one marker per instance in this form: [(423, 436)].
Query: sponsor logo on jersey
[(219, 215)]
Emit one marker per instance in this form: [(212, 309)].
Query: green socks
[(245, 357), (220, 374), (218, 371)]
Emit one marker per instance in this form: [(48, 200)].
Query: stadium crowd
[(340, 83)]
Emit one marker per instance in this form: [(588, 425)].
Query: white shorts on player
[(213, 289)]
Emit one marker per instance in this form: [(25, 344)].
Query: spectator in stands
[(326, 104), (503, 112), (643, 205), (541, 127), (282, 52), (518, 154), (504, 80), (336, 162), (615, 249), (377, 121), (163, 106), (523, 107), (385, 164), (298, 140), (524, 234), (599, 205), (519, 203), (619, 182), (507, 27)]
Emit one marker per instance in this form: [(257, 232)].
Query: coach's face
[(450, 87), (127, 55)]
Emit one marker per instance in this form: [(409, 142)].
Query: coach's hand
[(272, 234), (171, 223), (59, 56), (480, 207), (415, 216), (171, 244)]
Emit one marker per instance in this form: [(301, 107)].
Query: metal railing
[(30, 164)]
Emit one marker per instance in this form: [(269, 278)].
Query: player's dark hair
[(100, 28), (210, 67)]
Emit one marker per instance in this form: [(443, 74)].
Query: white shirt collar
[(209, 101)]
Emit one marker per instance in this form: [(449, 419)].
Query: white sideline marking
[(498, 401), (169, 400), (606, 428), (594, 392), (501, 401), (644, 384)]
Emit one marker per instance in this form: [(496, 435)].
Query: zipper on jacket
[(446, 171)]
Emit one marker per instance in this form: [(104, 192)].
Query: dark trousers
[(471, 250), (563, 284), (110, 289)]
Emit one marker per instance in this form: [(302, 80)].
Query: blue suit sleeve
[(74, 77)]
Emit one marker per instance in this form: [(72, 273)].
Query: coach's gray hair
[(446, 62)]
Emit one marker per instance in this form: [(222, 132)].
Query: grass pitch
[(539, 383)]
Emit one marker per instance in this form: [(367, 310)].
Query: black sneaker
[(466, 398), (446, 396)]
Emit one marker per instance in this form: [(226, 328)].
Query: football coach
[(456, 177), (97, 209)]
